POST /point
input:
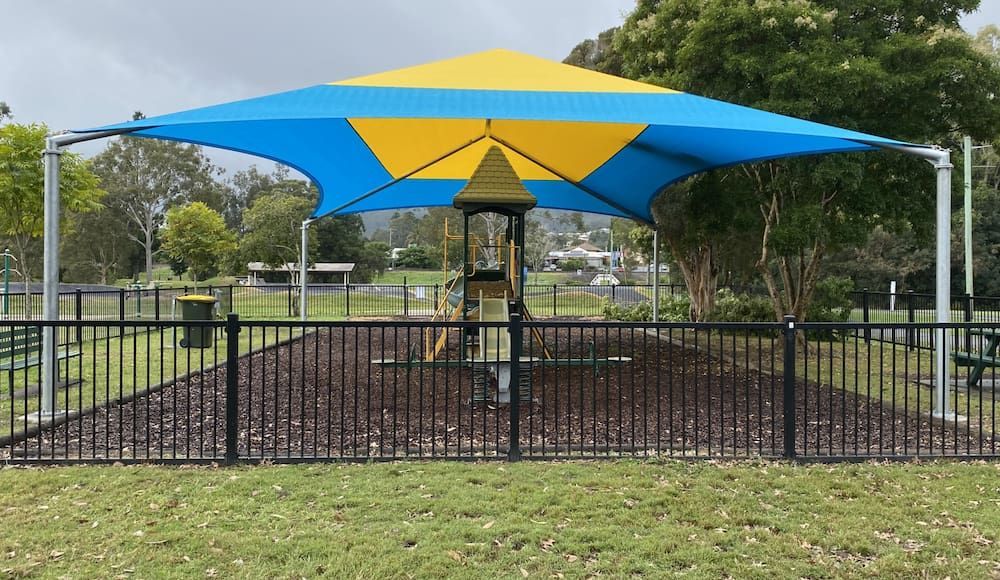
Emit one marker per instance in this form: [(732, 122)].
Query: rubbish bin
[(197, 307)]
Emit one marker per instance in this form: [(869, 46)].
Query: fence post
[(406, 300), (347, 300), (969, 315), (232, 386), (514, 447), (232, 305), (555, 293), (788, 387), (121, 303), (865, 317), (79, 315), (156, 303), (291, 310), (911, 317), (436, 297)]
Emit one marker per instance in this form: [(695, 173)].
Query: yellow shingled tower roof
[(495, 182)]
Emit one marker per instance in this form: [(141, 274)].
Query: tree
[(148, 176), (245, 187), (597, 54), (430, 232), (5, 112), (197, 235), (538, 242), (272, 232), (22, 185), (97, 247), (897, 68), (342, 239), (403, 227), (416, 257)]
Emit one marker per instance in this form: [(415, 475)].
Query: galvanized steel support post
[(656, 274), (304, 272), (788, 388)]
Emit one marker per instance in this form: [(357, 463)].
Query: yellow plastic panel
[(503, 70)]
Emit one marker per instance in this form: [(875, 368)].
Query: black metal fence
[(277, 301), (913, 307), (374, 390)]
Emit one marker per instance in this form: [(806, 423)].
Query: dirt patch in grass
[(322, 396)]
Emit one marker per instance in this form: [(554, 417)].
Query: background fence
[(336, 301), (363, 390)]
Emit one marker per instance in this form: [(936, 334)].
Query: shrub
[(672, 309), (730, 307), (831, 300)]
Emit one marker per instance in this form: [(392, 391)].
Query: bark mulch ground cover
[(321, 396)]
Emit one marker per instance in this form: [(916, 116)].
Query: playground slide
[(455, 296), (494, 343)]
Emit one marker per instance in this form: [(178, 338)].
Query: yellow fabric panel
[(462, 164), (503, 70), (574, 150), (570, 148), (403, 145)]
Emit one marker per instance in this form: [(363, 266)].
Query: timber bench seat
[(21, 348)]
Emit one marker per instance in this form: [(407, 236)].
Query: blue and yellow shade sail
[(578, 139)]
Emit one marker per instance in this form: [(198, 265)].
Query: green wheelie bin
[(197, 307)]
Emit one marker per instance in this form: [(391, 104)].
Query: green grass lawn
[(535, 520)]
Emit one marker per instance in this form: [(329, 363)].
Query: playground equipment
[(489, 289)]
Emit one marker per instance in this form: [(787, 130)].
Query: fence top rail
[(911, 293), (899, 325), (408, 323), (7, 324)]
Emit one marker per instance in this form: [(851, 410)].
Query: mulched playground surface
[(320, 396)]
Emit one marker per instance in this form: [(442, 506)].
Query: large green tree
[(22, 183), (342, 239), (247, 185), (272, 231), (97, 247), (146, 177), (898, 68), (196, 235)]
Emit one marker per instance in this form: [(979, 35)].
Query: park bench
[(982, 360), (21, 348)]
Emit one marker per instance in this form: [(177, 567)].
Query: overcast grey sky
[(74, 64)]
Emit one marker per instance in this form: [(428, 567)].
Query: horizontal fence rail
[(325, 301), (285, 391), (338, 301)]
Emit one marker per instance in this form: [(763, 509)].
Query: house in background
[(591, 255)]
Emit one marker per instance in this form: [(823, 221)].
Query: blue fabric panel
[(328, 151), (411, 193), (331, 101), (663, 155)]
